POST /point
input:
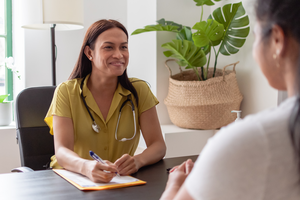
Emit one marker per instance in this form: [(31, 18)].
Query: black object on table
[(46, 184)]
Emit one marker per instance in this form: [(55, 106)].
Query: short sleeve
[(60, 105), (146, 98), (232, 166)]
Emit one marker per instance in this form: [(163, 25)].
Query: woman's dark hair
[(83, 66), (286, 15)]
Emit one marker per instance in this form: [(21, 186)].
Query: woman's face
[(263, 52), (110, 55)]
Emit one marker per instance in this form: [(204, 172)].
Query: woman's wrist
[(170, 192), (83, 167), (138, 161)]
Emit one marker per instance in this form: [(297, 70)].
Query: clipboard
[(84, 183)]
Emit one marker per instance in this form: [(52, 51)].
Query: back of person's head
[(285, 14), (83, 65)]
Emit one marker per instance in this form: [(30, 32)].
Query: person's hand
[(98, 172), (179, 173), (126, 165)]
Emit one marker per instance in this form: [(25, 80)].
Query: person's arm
[(175, 188), (156, 148), (67, 158)]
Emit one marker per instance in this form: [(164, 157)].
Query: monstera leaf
[(163, 22), (2, 97), (205, 2), (236, 25), (162, 25), (157, 27), (186, 52), (185, 34), (208, 33)]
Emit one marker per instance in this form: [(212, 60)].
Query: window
[(6, 78)]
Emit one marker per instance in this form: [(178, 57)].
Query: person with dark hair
[(257, 158), (100, 109)]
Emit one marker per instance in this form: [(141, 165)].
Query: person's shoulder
[(274, 118), (73, 82), (243, 132), (138, 83), (258, 127), (70, 84)]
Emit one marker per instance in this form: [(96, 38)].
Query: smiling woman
[(100, 109)]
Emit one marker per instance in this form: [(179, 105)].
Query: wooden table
[(46, 184)]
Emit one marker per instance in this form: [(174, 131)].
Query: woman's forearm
[(152, 154), (170, 193), (69, 160)]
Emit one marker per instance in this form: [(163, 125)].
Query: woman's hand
[(98, 172), (177, 178), (127, 165), (179, 174)]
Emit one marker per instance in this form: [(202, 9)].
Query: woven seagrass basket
[(203, 104)]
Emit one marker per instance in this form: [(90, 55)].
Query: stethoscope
[(95, 126)]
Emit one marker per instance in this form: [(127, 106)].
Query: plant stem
[(207, 66), (202, 74), (216, 60), (197, 73), (201, 13)]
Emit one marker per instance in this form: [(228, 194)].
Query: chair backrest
[(35, 142)]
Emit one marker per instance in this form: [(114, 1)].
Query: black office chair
[(35, 142)]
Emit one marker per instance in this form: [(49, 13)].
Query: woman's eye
[(108, 47), (124, 47)]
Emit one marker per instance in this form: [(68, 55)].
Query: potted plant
[(6, 106), (200, 89)]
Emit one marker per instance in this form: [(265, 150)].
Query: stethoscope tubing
[(95, 126)]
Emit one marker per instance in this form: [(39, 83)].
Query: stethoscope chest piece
[(95, 127)]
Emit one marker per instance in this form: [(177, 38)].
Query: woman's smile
[(117, 63)]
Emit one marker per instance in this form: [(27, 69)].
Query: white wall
[(142, 47)]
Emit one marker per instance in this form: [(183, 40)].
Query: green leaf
[(206, 49), (236, 25), (185, 34), (205, 2), (162, 25), (163, 22), (208, 33), (186, 52), (157, 27), (2, 97)]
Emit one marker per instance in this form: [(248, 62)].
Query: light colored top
[(67, 102), (252, 159)]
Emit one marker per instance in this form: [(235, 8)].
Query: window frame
[(8, 47)]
